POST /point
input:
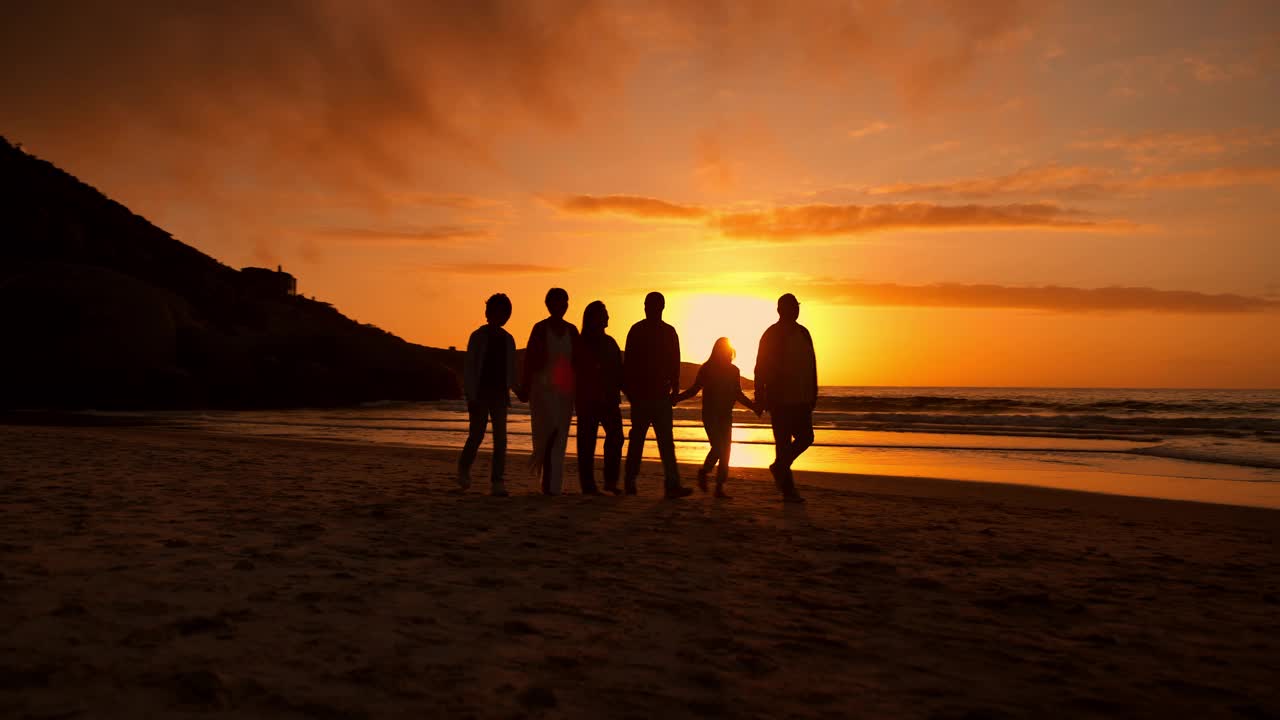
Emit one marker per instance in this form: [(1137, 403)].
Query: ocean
[(1204, 445)]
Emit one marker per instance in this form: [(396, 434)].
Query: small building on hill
[(268, 282)]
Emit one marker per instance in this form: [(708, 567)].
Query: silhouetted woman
[(597, 364), (721, 386), (547, 382)]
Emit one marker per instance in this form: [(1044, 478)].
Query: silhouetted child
[(488, 375), (721, 386)]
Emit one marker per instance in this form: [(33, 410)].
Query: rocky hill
[(101, 309)]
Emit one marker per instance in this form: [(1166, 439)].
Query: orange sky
[(992, 192)]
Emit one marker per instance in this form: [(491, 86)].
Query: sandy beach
[(149, 573)]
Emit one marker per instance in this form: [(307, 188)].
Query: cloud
[(357, 94), (630, 205), (435, 235), (1047, 179), (796, 222), (351, 95), (869, 129), (484, 268), (1216, 59), (1049, 298), (1158, 145), (1213, 70), (1081, 181), (791, 223), (921, 48), (451, 201), (1213, 178)]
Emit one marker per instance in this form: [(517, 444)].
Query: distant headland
[(102, 309)]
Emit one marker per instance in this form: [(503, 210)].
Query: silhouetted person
[(489, 372), (597, 363), (787, 387), (721, 386), (547, 381), (651, 379)]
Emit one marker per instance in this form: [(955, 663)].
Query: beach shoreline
[(518, 480), (151, 571)]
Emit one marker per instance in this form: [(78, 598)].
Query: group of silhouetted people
[(565, 369)]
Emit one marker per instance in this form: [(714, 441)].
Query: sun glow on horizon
[(703, 318)]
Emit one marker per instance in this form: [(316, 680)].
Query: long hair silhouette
[(593, 317), (722, 352)]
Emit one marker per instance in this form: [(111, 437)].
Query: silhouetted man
[(651, 378), (787, 388), (488, 374)]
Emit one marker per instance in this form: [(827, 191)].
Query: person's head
[(595, 318), (654, 304), (497, 309), (788, 307), (722, 353), (557, 302)]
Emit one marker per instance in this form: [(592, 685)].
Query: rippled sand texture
[(149, 573)]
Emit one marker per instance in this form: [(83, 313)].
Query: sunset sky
[(987, 192)]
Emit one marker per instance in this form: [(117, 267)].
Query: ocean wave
[(987, 405), (1222, 451), (1225, 426)]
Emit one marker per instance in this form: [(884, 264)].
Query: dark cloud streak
[(630, 205), (437, 235), (1049, 298), (790, 223), (485, 268), (797, 222)]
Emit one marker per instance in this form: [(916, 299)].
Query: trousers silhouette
[(658, 414), (792, 435), (480, 412), (590, 421), (720, 436)]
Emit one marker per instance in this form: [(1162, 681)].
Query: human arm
[(612, 370), (533, 350), (764, 370), (471, 365), (813, 363), (629, 363), (693, 390), (742, 397), (674, 360), (512, 381)]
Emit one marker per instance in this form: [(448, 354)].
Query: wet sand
[(148, 572)]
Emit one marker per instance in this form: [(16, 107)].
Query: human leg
[(611, 421), (801, 430), (708, 465), (788, 432), (498, 414), (546, 468), (781, 444), (720, 435), (663, 433), (555, 456), (641, 418), (713, 451), (588, 425), (723, 445), (478, 418)]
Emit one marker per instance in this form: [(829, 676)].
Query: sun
[(704, 317)]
